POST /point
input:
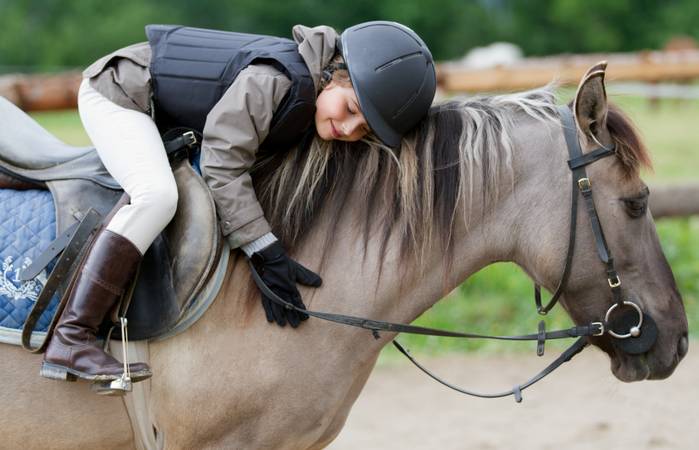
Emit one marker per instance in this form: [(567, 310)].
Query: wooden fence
[(674, 200), (42, 92), (651, 66)]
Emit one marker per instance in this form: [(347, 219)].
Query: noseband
[(641, 333)]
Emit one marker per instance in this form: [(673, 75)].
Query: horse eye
[(636, 206)]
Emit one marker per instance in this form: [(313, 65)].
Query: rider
[(244, 93)]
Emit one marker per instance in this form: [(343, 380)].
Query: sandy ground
[(581, 406)]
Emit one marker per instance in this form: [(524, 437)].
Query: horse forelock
[(417, 192)]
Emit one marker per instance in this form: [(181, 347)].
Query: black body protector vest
[(191, 68)]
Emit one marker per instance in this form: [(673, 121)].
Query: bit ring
[(634, 331)]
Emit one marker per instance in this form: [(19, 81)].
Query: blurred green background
[(53, 34)]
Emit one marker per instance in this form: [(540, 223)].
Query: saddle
[(184, 264)]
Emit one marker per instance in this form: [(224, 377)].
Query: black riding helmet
[(393, 75)]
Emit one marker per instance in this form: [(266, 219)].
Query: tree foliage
[(54, 34)]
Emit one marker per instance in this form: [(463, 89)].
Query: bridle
[(642, 331), (581, 183), (577, 163)]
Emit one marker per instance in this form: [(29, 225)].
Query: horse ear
[(590, 105)]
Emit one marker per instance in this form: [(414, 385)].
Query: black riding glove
[(281, 273)]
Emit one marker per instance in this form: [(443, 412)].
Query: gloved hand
[(281, 273)]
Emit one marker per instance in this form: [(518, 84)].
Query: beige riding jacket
[(235, 127)]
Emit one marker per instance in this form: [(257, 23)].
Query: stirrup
[(123, 384), (117, 388)]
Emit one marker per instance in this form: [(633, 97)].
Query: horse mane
[(462, 148)]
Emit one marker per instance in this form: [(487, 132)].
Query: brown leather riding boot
[(74, 351)]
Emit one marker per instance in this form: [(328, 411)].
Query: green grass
[(498, 299), (671, 131), (65, 125)]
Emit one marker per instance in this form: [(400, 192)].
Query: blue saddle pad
[(27, 227)]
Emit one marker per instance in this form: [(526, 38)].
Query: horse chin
[(629, 369), (625, 367), (656, 364)]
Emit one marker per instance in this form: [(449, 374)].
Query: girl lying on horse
[(249, 96)]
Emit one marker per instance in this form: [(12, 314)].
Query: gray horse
[(479, 181)]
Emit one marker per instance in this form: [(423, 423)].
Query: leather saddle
[(179, 263)]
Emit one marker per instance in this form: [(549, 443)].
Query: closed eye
[(637, 205)]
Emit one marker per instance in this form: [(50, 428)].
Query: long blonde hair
[(459, 150)]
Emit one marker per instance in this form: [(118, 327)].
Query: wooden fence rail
[(674, 200), (651, 66), (42, 92)]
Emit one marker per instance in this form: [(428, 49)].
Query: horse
[(479, 181)]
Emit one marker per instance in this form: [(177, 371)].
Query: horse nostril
[(682, 345)]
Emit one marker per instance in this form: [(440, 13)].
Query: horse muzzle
[(632, 331), (639, 350)]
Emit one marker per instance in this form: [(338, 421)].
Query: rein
[(581, 183)]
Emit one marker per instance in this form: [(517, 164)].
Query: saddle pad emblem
[(13, 288), (27, 227)]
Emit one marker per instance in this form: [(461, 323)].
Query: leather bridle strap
[(580, 184), (577, 164), (592, 329), (543, 310), (516, 391)]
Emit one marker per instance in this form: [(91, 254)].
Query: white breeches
[(129, 145)]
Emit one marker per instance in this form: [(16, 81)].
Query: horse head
[(641, 290)]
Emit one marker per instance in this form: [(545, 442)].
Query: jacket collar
[(317, 47)]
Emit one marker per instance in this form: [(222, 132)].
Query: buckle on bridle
[(584, 184), (614, 282), (600, 327)]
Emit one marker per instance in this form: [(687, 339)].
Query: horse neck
[(360, 281), (354, 284), (352, 278)]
